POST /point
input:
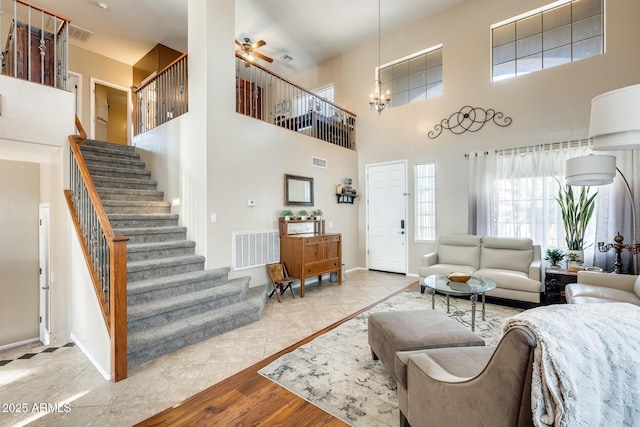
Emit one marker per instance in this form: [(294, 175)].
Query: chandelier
[(378, 100)]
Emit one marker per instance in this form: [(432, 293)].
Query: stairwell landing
[(172, 301)]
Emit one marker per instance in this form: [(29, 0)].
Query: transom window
[(414, 78), (425, 200), (557, 34)]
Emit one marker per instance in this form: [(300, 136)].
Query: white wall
[(19, 287), (28, 135), (547, 106)]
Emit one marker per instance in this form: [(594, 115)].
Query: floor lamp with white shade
[(614, 125)]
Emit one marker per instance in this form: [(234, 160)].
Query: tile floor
[(62, 388)]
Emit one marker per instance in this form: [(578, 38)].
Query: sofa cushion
[(636, 286), (578, 293), (459, 249), (506, 253), (510, 279)]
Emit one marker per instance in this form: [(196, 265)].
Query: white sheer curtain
[(614, 212), (512, 192)]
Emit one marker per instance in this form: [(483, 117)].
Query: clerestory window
[(559, 33), (413, 78)]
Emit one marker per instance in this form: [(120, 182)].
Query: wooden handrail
[(41, 9), (293, 84), (178, 59), (82, 135), (116, 316)]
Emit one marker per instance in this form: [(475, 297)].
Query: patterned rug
[(336, 372)]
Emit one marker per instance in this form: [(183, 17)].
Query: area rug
[(336, 372)]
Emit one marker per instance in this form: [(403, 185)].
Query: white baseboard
[(105, 375), (18, 344)]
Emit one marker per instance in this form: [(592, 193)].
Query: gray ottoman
[(393, 331)]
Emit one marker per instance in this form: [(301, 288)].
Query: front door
[(387, 217), (45, 280)]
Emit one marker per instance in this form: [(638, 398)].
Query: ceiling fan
[(248, 50)]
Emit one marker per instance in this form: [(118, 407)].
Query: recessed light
[(103, 5)]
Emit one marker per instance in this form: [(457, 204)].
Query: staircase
[(172, 301)]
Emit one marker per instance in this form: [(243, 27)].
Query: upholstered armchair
[(594, 287), (480, 386)]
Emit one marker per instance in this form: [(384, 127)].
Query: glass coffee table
[(474, 286)]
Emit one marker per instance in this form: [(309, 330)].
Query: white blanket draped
[(586, 368)]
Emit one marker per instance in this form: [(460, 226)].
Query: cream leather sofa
[(513, 263), (593, 287)]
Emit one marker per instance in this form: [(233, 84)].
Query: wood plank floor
[(249, 399)]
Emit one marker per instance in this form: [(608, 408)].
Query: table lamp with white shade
[(614, 125)]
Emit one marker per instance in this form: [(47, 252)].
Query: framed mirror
[(298, 190)]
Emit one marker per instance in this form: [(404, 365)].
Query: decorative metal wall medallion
[(470, 119)]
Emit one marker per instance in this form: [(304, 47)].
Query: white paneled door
[(387, 217)]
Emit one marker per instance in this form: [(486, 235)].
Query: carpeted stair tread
[(148, 309), (135, 266), (125, 220), (144, 286), (92, 160), (132, 183), (152, 234), (153, 342), (108, 152), (106, 144), (141, 247), (159, 250), (135, 206), (120, 172), (108, 193)]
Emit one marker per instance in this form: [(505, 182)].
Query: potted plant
[(574, 260), (576, 214), (287, 214), (303, 214), (554, 256), (317, 213)]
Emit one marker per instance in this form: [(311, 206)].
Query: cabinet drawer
[(317, 268), (322, 239)]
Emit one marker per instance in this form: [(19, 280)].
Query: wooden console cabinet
[(312, 254), (554, 284)]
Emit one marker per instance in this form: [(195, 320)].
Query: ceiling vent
[(78, 33), (318, 162)]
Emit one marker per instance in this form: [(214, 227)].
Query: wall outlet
[(251, 203), (214, 217)]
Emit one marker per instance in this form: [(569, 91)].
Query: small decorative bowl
[(459, 277)]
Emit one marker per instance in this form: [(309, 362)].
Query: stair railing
[(104, 252), (163, 97), (37, 45), (264, 95)]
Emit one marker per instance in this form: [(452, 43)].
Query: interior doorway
[(110, 112), (387, 217)]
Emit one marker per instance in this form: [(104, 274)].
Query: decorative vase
[(578, 258)]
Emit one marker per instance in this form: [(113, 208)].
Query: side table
[(555, 281)]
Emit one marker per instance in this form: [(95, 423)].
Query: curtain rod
[(540, 147)]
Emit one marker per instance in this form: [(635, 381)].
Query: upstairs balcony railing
[(36, 47), (163, 97), (260, 94), (266, 96)]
